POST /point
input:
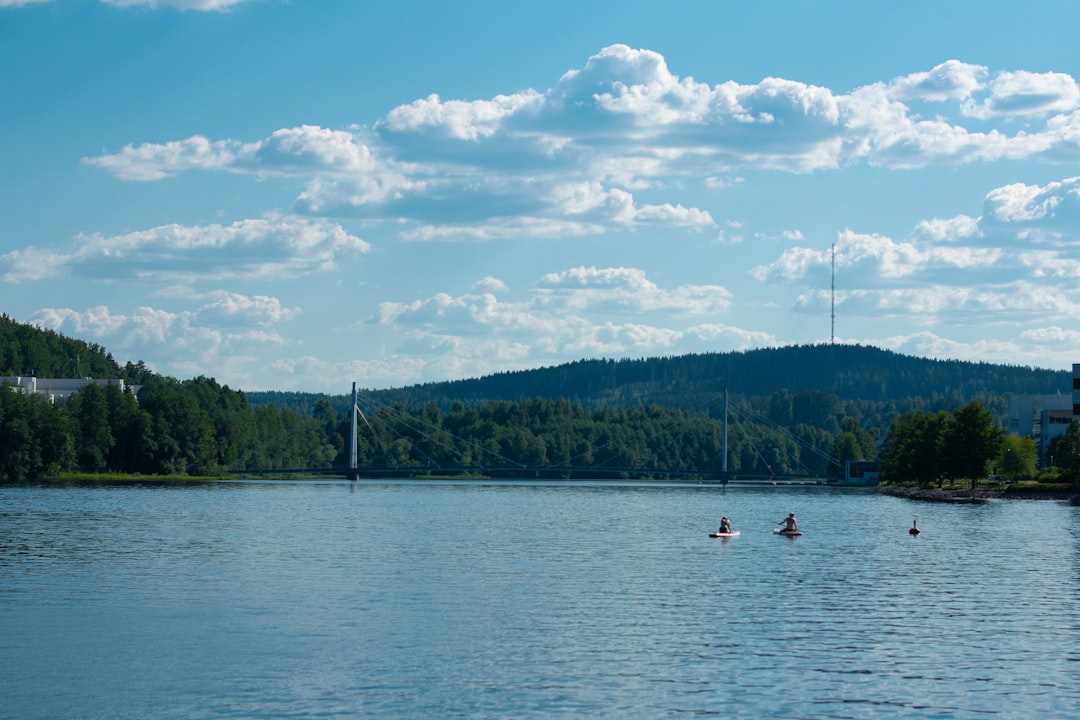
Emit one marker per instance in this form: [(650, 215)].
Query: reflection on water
[(531, 601)]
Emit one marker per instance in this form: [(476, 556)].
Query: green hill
[(27, 350), (851, 372), (800, 409), (879, 384)]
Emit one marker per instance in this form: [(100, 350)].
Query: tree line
[(968, 444), (199, 427), (195, 427)]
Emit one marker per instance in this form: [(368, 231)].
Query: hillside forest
[(791, 411)]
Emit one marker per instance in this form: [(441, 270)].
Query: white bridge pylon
[(353, 451)]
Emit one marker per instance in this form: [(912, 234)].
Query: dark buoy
[(914, 528)]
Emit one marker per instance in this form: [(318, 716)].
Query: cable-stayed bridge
[(505, 468)]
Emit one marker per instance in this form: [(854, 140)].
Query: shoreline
[(976, 495)]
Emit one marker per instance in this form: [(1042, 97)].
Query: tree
[(183, 434), (132, 429), (846, 447), (912, 449), (89, 411), (1017, 459), (970, 442), (1066, 451), (34, 438)]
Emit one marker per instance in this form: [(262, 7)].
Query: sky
[(301, 195)]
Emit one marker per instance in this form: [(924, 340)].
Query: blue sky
[(299, 195)]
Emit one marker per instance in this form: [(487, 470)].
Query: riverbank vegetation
[(665, 415), (966, 453)]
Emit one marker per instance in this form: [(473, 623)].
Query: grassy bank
[(74, 478)]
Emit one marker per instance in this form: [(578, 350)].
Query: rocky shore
[(976, 495)]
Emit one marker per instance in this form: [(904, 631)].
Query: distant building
[(1044, 417), (1076, 390), (865, 473), (59, 388)]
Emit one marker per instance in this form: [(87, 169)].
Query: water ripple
[(483, 600)]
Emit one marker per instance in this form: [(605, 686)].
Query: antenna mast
[(832, 295)]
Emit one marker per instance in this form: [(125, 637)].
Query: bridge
[(507, 469), (547, 472)]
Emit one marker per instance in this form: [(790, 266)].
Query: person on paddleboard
[(725, 525), (789, 523)]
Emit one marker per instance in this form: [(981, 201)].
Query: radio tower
[(832, 294)]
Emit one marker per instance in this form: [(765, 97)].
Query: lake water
[(485, 600)]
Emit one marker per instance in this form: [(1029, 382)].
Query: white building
[(57, 388), (1045, 417)]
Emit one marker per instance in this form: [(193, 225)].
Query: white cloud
[(566, 161), (1025, 94), (558, 318), (489, 285), (1048, 347), (458, 119), (1051, 207), (722, 183), (226, 308), (97, 321), (1053, 335), (870, 258), (219, 334), (951, 80), (206, 317), (960, 227), (200, 5), (155, 161), (962, 270), (309, 147), (503, 229), (584, 287), (277, 247), (183, 5), (30, 264)]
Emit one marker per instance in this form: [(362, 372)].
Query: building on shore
[(59, 388), (1045, 417)]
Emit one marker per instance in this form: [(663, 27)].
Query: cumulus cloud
[(567, 161), (960, 227), (1046, 347), (873, 258), (229, 308), (155, 161), (273, 247), (951, 80), (1013, 263), (585, 287), (1026, 93), (219, 333), (1039, 212), (198, 5), (559, 317), (248, 317)]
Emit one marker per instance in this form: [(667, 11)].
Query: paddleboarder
[(789, 523)]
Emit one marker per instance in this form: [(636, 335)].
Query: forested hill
[(27, 350), (694, 382), (795, 410), (689, 382)]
